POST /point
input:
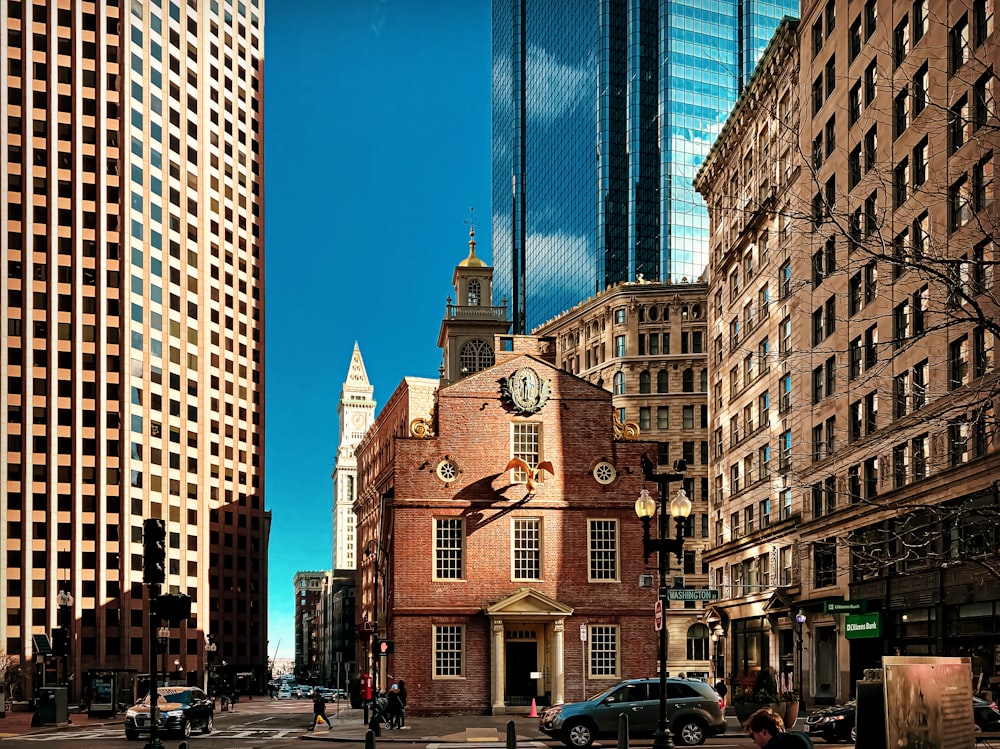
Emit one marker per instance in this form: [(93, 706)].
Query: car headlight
[(131, 714), (175, 713)]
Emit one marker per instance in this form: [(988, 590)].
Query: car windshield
[(179, 698)]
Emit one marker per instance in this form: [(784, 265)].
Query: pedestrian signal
[(383, 647)]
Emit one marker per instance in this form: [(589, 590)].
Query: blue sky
[(376, 144)]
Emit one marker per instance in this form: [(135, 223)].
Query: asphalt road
[(272, 724)]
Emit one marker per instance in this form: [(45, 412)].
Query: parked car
[(180, 709), (986, 714), (695, 713), (285, 693), (836, 723)]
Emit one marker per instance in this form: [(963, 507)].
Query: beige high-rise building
[(854, 321), (133, 321)]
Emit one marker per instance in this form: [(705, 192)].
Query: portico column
[(558, 665), (497, 674)]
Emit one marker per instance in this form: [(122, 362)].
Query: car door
[(625, 699), (644, 714)]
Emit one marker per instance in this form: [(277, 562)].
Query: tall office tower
[(357, 412), (133, 313), (602, 113)]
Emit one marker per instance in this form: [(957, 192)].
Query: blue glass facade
[(602, 113)]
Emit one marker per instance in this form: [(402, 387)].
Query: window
[(901, 112), (526, 446), (901, 41), (785, 333), (900, 182), (854, 167), (921, 80), (920, 21), (958, 363), (785, 556), (644, 381), (854, 40), (526, 543), (919, 385), (697, 643), (603, 549), (982, 20), (763, 461), (871, 83), (982, 179), (663, 417), (958, 124), (982, 100), (817, 36), (785, 444), (449, 545), (785, 393), (785, 279), (831, 81), (619, 345), (663, 381), (618, 383), (871, 18), (475, 356), (475, 293), (824, 563), (959, 203), (958, 40), (817, 95), (854, 104), (448, 651), (919, 171), (603, 651)]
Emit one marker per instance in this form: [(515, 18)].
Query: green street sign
[(692, 594), (844, 607), (862, 626)]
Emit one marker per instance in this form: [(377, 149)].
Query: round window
[(447, 471), (605, 473)]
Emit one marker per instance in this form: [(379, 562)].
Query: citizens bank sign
[(861, 626)]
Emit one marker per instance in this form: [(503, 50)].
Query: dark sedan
[(181, 709), (836, 723)]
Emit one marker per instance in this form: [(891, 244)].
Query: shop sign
[(862, 626), (840, 606)]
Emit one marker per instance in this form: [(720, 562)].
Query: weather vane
[(472, 222)]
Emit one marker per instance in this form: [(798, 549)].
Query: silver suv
[(694, 712)]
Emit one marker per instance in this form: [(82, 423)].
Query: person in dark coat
[(402, 700), (767, 730), (319, 711), (394, 707)]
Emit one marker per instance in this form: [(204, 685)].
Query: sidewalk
[(482, 730)]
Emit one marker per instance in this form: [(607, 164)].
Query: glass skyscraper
[(602, 113)]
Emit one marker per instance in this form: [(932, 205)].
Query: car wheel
[(854, 734), (132, 735), (185, 731), (578, 734), (689, 732), (209, 724)]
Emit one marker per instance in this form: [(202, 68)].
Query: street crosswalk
[(87, 734)]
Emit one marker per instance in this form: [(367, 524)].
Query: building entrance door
[(521, 659)]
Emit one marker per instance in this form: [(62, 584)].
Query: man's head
[(763, 725)]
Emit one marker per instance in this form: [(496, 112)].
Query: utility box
[(52, 706)]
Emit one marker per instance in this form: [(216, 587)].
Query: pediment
[(777, 602), (527, 602)]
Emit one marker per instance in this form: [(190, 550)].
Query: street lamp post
[(718, 633), (679, 508), (800, 620), (162, 640), (65, 600), (210, 649)]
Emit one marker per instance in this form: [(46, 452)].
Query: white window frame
[(517, 546), (604, 631), (438, 548), (454, 630), (600, 557), (517, 448)]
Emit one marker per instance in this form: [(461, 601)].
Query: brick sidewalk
[(19, 723)]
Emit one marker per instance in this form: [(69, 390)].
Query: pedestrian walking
[(394, 707), (402, 700), (319, 711)]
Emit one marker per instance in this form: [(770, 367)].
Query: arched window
[(703, 381), (475, 293), (697, 642), (618, 384), (663, 381), (476, 354), (687, 383), (644, 381)]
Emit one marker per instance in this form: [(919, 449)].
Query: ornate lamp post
[(718, 636), (800, 620), (679, 508), (162, 640), (65, 600), (210, 650)]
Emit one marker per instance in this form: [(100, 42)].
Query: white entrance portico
[(526, 650)]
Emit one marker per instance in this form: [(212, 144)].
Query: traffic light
[(174, 607), (154, 551), (60, 641), (383, 647)]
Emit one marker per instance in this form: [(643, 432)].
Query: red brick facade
[(472, 429)]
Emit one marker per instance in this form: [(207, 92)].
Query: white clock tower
[(357, 412)]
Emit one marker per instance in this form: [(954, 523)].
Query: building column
[(558, 662), (499, 664)]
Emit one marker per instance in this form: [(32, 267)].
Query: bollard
[(369, 740), (182, 745), (622, 731), (511, 735)]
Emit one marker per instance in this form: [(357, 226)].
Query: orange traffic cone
[(534, 709)]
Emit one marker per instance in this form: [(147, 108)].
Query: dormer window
[(475, 293)]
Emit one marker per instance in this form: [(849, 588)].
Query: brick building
[(497, 587), (852, 267)]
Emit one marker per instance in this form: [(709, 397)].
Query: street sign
[(658, 615), (692, 594), (583, 633), (835, 606)]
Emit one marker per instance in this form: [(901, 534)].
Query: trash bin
[(52, 707)]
